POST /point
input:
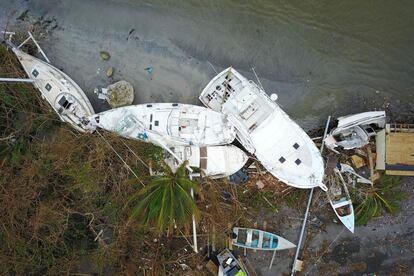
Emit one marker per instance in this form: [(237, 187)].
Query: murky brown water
[(321, 57), (326, 51)]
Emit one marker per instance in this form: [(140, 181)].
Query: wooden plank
[(370, 163), (380, 149), (212, 267), (402, 173), (399, 148)]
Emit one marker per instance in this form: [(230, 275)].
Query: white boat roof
[(168, 123), (65, 97), (266, 130), (361, 119)]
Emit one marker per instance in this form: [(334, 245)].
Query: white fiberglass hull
[(342, 207), (265, 130), (167, 124), (260, 240), (65, 97), (213, 161)]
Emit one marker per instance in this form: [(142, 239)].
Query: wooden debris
[(212, 267), (370, 163), (357, 161)]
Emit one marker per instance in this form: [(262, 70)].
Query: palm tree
[(165, 201), (384, 196)]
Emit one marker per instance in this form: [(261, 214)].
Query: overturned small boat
[(167, 124), (265, 130), (212, 161), (259, 239), (229, 265), (355, 131), (340, 199), (65, 97)]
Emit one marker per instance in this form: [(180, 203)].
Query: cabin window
[(156, 123), (64, 103), (151, 127), (296, 145), (151, 118), (298, 161), (35, 73), (282, 160), (175, 104), (48, 87), (149, 105)]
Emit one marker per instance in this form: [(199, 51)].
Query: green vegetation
[(372, 202), (165, 201)]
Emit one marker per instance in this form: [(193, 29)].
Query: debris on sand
[(110, 72), (105, 55)]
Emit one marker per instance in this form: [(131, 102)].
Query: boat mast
[(307, 208)]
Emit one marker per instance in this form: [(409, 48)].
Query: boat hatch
[(35, 73), (127, 124), (64, 103), (48, 87)]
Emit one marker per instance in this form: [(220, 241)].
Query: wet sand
[(321, 60)]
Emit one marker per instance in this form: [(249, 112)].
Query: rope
[(145, 164), (120, 157)]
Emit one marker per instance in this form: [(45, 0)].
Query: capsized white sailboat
[(213, 161), (168, 124), (355, 131), (65, 97), (259, 239), (265, 130), (340, 199)]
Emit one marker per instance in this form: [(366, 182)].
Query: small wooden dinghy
[(340, 200), (229, 265), (168, 124), (259, 239), (65, 97)]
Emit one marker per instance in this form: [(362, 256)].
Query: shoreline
[(181, 70), (180, 73)]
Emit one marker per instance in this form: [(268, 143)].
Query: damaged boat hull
[(167, 124), (265, 130)]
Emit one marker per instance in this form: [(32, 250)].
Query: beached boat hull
[(259, 239), (265, 130), (167, 124), (341, 203), (355, 131), (65, 97), (213, 161)]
